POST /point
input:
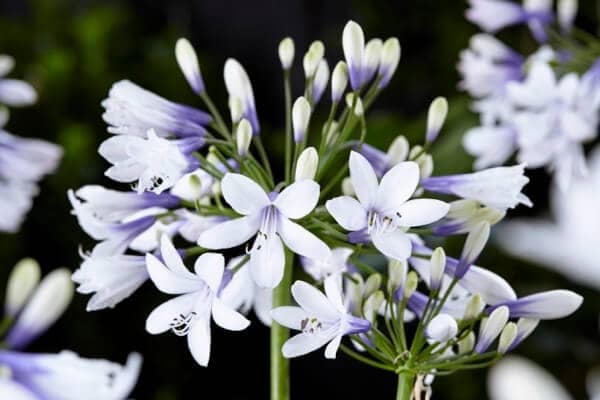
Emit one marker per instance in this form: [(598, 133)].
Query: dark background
[(72, 51)]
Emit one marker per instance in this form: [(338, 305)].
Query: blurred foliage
[(73, 51)]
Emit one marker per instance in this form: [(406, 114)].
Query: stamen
[(182, 324)]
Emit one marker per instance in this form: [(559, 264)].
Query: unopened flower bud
[(23, 279), (216, 189), (437, 267), (300, 118), (306, 167), (353, 43), (372, 305), (507, 337), (425, 166), (236, 109), (212, 158), (390, 57), (188, 63), (243, 136), (398, 150), (476, 240), (438, 110), (442, 328), (474, 308), (372, 284), (355, 105), (312, 58), (491, 328), (412, 280), (332, 134), (347, 188), (467, 344), (320, 81), (396, 275), (339, 81), (567, 11), (371, 61), (286, 53)]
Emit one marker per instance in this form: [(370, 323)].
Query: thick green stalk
[(406, 383), (280, 366)]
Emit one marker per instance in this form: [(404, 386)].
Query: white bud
[(357, 104), (7, 63), (46, 305), (372, 284), (425, 162), (320, 81), (390, 57), (467, 344), (212, 158), (286, 53), (216, 189), (300, 118), (438, 110), (474, 308), (437, 268), (476, 241), (243, 136), (332, 134), (442, 328), (525, 327), (347, 188), (372, 56), (372, 305), (396, 275), (23, 279), (398, 150), (339, 81), (236, 109), (188, 62), (412, 280), (312, 58), (353, 43), (306, 167), (491, 328), (567, 11), (507, 337)]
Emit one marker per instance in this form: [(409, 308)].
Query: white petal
[(492, 288), (289, 316), (209, 267), (347, 212), (243, 194), (422, 212), (160, 318), (14, 92), (228, 318), (172, 258), (302, 344), (230, 233), (298, 199), (394, 244), (301, 241), (364, 179), (199, 342), (313, 301), (332, 347), (267, 263), (397, 186), (168, 281), (333, 292), (14, 391)]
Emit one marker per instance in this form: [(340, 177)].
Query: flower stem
[(280, 366), (406, 382)]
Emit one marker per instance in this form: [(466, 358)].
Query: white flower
[(155, 163), (189, 314), (336, 264), (269, 218), (321, 319), (383, 210)]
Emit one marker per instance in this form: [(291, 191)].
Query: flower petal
[(347, 212), (168, 281), (395, 244), (313, 301), (332, 347), (267, 263), (397, 186), (172, 258), (333, 292), (228, 318), (160, 318), (301, 241), (298, 199), (302, 344), (289, 316), (243, 194), (230, 233), (363, 178), (209, 267), (199, 341), (422, 212)]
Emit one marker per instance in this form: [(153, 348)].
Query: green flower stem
[(280, 366), (5, 324), (220, 125), (263, 155), (406, 382), (288, 125)]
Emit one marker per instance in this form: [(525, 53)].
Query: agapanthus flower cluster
[(542, 107), (23, 161), (31, 306), (211, 221)]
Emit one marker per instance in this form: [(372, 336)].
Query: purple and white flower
[(322, 318), (269, 217), (383, 210), (553, 304), (239, 87)]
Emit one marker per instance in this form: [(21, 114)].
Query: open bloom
[(269, 218), (66, 376), (336, 264), (322, 318), (383, 210), (189, 314)]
